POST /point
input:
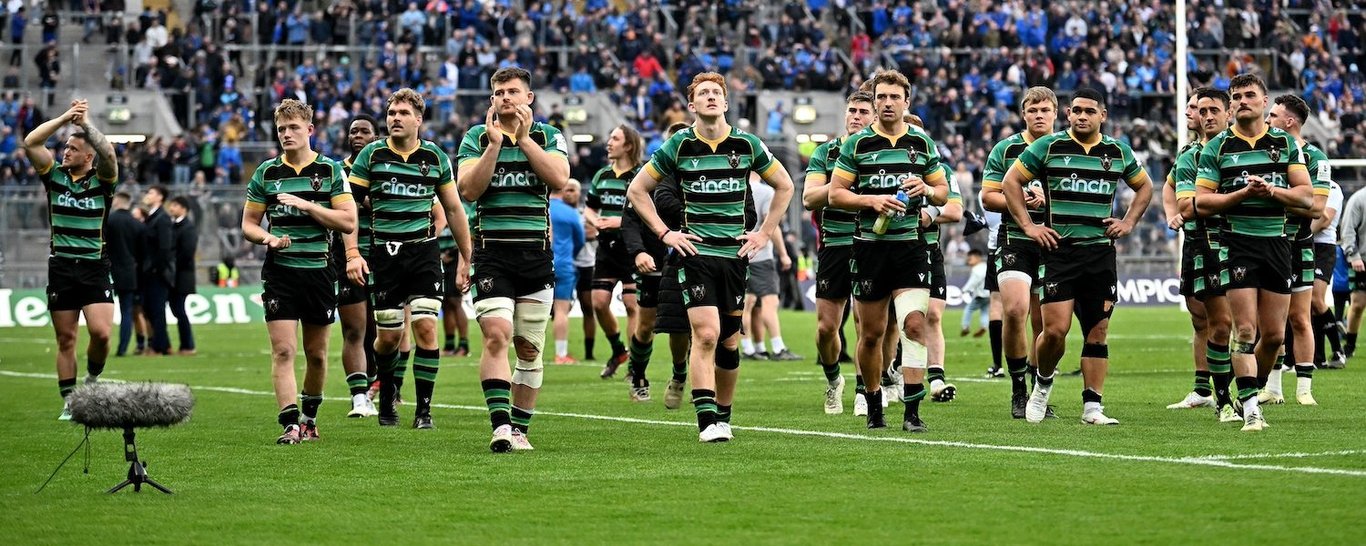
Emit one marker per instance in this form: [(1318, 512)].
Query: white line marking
[(1282, 455), (1221, 461)]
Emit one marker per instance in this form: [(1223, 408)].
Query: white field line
[(1221, 461), (1283, 455)]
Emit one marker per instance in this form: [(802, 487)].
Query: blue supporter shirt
[(567, 227)]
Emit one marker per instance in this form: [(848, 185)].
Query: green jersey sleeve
[(469, 149)]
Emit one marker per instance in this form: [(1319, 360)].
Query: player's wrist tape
[(665, 234)]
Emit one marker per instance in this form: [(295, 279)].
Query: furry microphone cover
[(119, 405)]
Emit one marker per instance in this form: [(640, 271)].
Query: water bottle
[(880, 226)]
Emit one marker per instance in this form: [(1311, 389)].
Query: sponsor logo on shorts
[(392, 247)]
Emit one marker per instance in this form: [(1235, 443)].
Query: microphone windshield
[(122, 405)]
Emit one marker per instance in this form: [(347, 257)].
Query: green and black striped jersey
[(835, 227), (77, 209), (401, 186), (515, 209), (931, 233), (1080, 181), (1321, 176), (364, 233), (1229, 158), (879, 164), (714, 177), (1182, 180), (607, 193), (1000, 159), (320, 181)]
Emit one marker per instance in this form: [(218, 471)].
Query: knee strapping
[(601, 284), (528, 324), (914, 354), (425, 308), (1243, 348), (728, 359), (389, 319), (499, 308), (1095, 350), (730, 324)]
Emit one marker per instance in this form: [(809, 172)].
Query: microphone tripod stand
[(137, 470)]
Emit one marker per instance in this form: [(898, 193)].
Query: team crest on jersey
[(486, 285), (1239, 273), (1275, 154), (1105, 162), (424, 167), (317, 182), (734, 159)]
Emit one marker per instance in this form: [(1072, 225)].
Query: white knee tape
[(499, 308), (389, 319), (913, 353), (1005, 277), (529, 322), (425, 308)]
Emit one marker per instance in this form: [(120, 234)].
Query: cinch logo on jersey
[(1081, 185), (725, 185), (504, 179), (884, 180), (78, 203), (393, 187), (1275, 179), (614, 200)]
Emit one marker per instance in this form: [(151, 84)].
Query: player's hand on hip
[(1045, 236), (645, 263), (1116, 228), (751, 243), (681, 242)]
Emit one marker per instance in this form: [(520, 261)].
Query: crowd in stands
[(969, 60)]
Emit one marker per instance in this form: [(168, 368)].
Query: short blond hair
[(293, 109), (707, 77), (413, 98), (1038, 93), (915, 120)]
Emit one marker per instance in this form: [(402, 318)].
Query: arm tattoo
[(106, 165)]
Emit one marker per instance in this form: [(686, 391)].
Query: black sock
[(426, 364), (1044, 381), (1221, 370), (859, 386), (994, 329), (1316, 327), (450, 342), (1351, 345), (92, 367), (289, 416), (1088, 395), (1017, 367), (935, 373), (1304, 371), (640, 359), (310, 405), (1247, 387), (401, 369), (1034, 375), (680, 371), (65, 386), (832, 371), (521, 419), (1330, 330), (704, 401), (588, 345), (615, 341), (498, 396), (722, 413), (911, 396), (1202, 387), (142, 343), (356, 383), (875, 404), (463, 344)]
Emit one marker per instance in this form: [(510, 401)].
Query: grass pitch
[(606, 470)]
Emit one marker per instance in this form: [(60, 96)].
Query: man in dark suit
[(123, 240), (186, 241), (158, 269)]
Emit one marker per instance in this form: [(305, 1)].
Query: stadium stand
[(222, 62)]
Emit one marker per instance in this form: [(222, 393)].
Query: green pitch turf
[(606, 470)]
